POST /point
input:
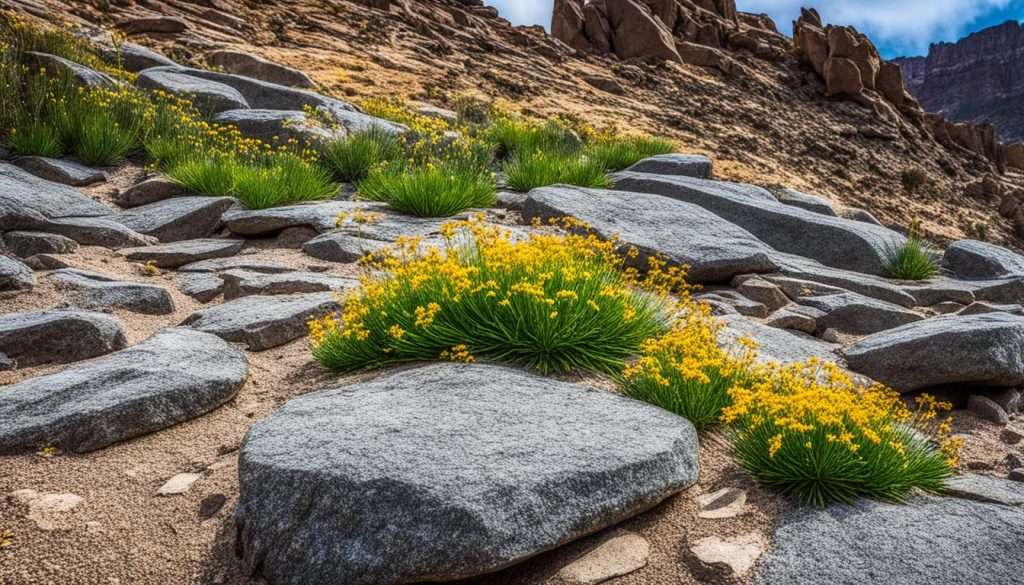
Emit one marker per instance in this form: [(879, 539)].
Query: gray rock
[(25, 244), (208, 96), (60, 171), (855, 314), (865, 284), (685, 165), (948, 307), (181, 253), (320, 216), (174, 376), (980, 308), (762, 291), (14, 275), (180, 218), (45, 262), (57, 337), (279, 126), (96, 231), (1011, 399), (352, 241), (924, 542), (235, 262), (81, 74), (283, 284), (777, 344), (262, 322), (1005, 291), (250, 65), (202, 286), (861, 215), (26, 199), (948, 349), (714, 249), (814, 203), (450, 116), (986, 408), (797, 318), (149, 191), (134, 58), (941, 290), (985, 488), (270, 96), (972, 259), (833, 241), (1016, 474), (740, 303), (539, 463), (98, 291)]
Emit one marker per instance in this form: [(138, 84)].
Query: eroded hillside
[(768, 121)]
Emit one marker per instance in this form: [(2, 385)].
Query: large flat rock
[(207, 95), (91, 290), (985, 349), (774, 344), (320, 216), (686, 165), (868, 285), (833, 241), (96, 231), (61, 171), (254, 283), (180, 253), (25, 199), (262, 322), (56, 337), (174, 376), (447, 471), (856, 314), (714, 249), (972, 259), (178, 218), (927, 541)]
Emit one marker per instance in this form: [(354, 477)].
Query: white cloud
[(904, 25)]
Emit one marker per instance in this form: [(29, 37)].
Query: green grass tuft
[(352, 157), (914, 260), (430, 190), (36, 139), (534, 169), (619, 152), (514, 136)]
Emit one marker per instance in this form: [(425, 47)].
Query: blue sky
[(898, 27)]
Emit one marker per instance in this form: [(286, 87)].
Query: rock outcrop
[(484, 466), (979, 78)]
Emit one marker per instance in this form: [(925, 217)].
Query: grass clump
[(511, 136), (430, 190), (35, 139), (352, 157), (553, 303), (614, 153), (686, 371), (808, 431), (533, 169), (914, 259)]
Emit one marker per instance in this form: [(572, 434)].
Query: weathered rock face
[(242, 63), (537, 463), (263, 322), (897, 543), (174, 376), (979, 78), (714, 249), (671, 30), (57, 337), (985, 349)]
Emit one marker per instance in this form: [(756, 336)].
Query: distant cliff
[(978, 79)]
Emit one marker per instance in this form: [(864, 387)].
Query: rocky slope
[(979, 78), (162, 420), (738, 91)]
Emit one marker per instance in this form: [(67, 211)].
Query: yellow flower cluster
[(800, 403), (485, 275)]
